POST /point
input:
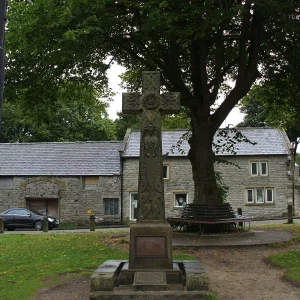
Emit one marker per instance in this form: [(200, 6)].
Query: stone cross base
[(150, 246), (113, 280)]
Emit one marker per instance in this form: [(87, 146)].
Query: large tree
[(77, 114), (197, 45), (274, 103)]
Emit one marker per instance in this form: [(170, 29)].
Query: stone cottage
[(64, 180), (259, 176)]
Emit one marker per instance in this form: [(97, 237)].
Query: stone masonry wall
[(238, 179), (73, 199)]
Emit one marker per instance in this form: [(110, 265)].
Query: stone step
[(150, 295), (169, 287)]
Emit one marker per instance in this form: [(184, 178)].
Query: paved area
[(253, 237)]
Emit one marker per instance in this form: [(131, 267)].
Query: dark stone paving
[(255, 237)]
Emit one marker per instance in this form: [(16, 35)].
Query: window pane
[(165, 172), (264, 168), (260, 195), (180, 199), (116, 207), (269, 195), (111, 207), (254, 168), (250, 196)]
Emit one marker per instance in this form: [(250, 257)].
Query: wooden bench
[(210, 216)]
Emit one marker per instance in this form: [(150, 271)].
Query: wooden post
[(92, 223), (240, 213), (45, 224), (290, 212), (1, 226)]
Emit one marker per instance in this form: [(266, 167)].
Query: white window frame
[(178, 193), (266, 197), (263, 195), (130, 205), (168, 171), (267, 168), (254, 163), (254, 192), (259, 168)]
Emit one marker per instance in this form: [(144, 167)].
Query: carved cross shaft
[(151, 104)]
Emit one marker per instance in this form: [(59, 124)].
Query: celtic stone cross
[(151, 104)]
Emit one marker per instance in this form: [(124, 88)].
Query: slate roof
[(270, 141), (66, 158)]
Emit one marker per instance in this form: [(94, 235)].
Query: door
[(46, 207)]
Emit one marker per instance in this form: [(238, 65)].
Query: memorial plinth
[(150, 246)]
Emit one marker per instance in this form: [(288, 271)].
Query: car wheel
[(38, 225)]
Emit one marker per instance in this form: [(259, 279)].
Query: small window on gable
[(254, 168), (259, 168), (264, 168), (166, 170), (90, 182)]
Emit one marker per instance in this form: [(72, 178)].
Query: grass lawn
[(30, 261)]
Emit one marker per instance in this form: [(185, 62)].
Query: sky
[(113, 73)]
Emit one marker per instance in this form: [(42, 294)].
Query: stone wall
[(73, 199), (238, 180)]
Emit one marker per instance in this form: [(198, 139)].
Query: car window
[(35, 212), (21, 212)]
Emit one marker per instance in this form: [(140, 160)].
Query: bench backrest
[(207, 211)]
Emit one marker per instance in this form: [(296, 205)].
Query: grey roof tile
[(77, 158), (269, 141)]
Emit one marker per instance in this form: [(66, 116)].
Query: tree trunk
[(201, 157)]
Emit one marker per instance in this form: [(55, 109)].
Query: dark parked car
[(25, 218)]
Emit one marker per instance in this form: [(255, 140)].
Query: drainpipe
[(3, 6), (121, 198)]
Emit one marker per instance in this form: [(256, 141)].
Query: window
[(254, 169), (111, 207), (166, 174), (264, 168), (269, 196), (90, 182), (260, 195), (180, 199), (133, 205), (250, 196), (259, 168)]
